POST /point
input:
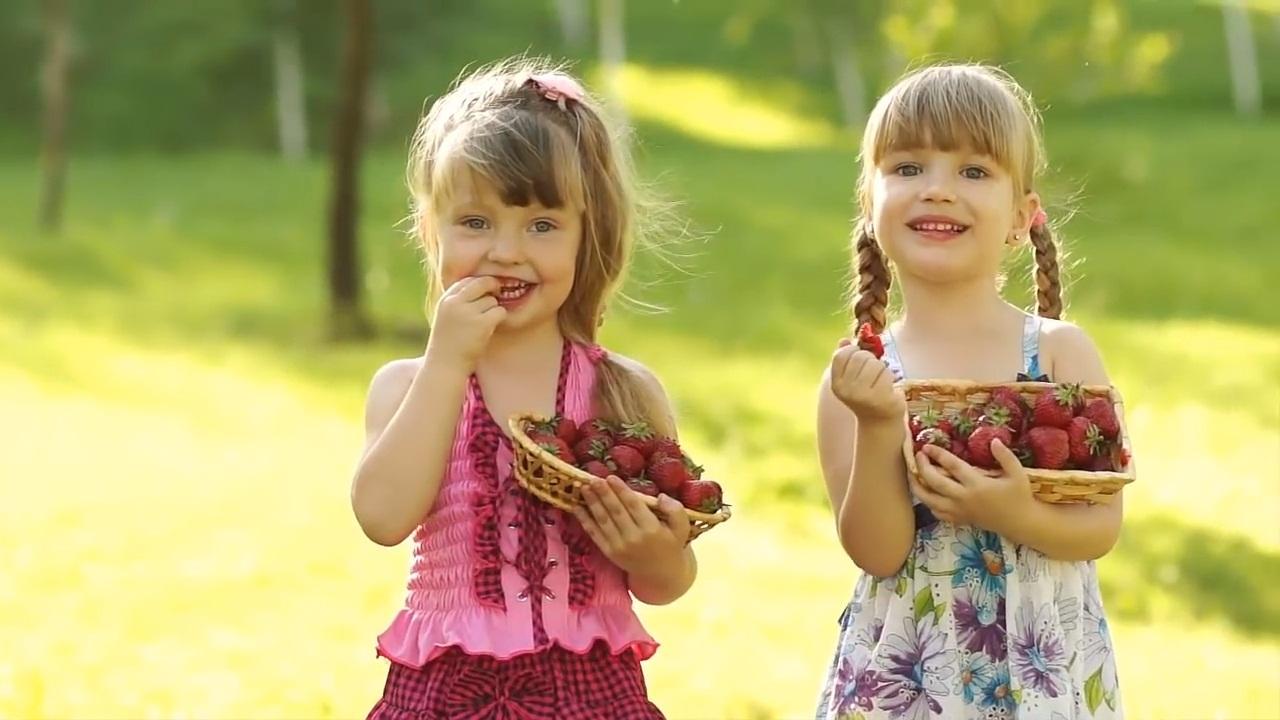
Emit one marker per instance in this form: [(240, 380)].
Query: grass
[(178, 435)]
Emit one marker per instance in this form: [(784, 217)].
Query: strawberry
[(1023, 451), (1100, 463), (592, 446), (670, 474), (702, 495), (930, 418), (960, 448), (666, 446), (628, 460), (639, 436), (540, 436), (643, 486), (1085, 441), (868, 340), (963, 422), (1124, 459), (1056, 407), (980, 444), (1050, 447), (1100, 411), (1011, 400), (598, 428), (559, 448), (559, 426), (932, 436), (597, 468)]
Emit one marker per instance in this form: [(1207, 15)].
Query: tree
[(572, 15), (347, 317), (1242, 56), (55, 89), (613, 50), (286, 56)]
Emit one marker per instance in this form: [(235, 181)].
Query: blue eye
[(474, 223), (543, 226), (974, 172), (907, 170)]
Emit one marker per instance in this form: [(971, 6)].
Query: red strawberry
[(1124, 459), (539, 436), (628, 460), (1100, 463), (1056, 407), (702, 495), (1011, 400), (597, 468), (559, 448), (930, 418), (643, 486), (1100, 411), (666, 446), (670, 474), (592, 446), (1050, 447), (963, 422), (559, 426), (960, 449), (932, 436), (980, 444), (598, 428), (639, 436), (868, 340), (1086, 441)]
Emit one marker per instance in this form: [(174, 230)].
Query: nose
[(938, 188), (506, 248)]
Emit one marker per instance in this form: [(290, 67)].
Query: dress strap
[(891, 356), (1031, 350)]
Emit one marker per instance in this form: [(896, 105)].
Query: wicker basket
[(1055, 486), (559, 484)]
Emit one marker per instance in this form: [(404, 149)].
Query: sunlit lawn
[(175, 536)]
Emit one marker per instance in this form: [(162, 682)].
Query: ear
[(1024, 211)]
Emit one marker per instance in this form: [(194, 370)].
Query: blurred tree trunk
[(291, 107), (850, 85), (55, 90), (805, 38), (1246, 89), (573, 22), (613, 50), (347, 317)]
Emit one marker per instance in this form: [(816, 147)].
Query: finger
[(935, 502), (590, 527), (1009, 462), (673, 515), (495, 314), (936, 482), (478, 286), (640, 513), (844, 342), (601, 516), (612, 503), (955, 467), (840, 363)]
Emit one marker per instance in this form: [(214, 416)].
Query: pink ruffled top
[(497, 572)]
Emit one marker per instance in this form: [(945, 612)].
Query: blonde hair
[(951, 107), (496, 124)]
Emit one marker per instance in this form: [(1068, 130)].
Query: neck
[(953, 310), (515, 349)]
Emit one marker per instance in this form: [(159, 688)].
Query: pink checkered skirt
[(551, 684)]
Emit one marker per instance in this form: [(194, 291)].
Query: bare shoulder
[(387, 390), (1070, 355)]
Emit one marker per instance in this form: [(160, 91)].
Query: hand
[(961, 494), (631, 535), (466, 317), (865, 384)]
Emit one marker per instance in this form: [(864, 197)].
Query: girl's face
[(945, 216), (532, 249)]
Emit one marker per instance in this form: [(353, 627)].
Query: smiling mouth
[(514, 290)]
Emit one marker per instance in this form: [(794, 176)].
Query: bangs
[(955, 109), (524, 158)]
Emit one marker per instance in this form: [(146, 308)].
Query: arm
[(1004, 504), (652, 548), (410, 419), (865, 476)]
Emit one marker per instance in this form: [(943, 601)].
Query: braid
[(874, 280), (1046, 274)]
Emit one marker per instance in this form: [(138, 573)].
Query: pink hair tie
[(596, 354), (558, 88), (1039, 219)]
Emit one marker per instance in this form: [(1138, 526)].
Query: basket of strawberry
[(554, 458), (1070, 438)]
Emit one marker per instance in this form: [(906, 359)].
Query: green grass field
[(178, 436)]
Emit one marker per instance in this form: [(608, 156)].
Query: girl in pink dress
[(523, 203)]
